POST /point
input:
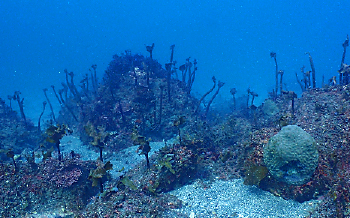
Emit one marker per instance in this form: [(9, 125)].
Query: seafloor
[(137, 143)]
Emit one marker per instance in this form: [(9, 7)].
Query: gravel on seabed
[(234, 199)]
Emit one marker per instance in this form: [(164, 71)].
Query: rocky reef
[(295, 148)]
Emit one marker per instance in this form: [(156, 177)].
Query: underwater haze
[(231, 40)]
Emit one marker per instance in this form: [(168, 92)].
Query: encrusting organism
[(172, 53), (233, 91), (186, 66), (307, 79), (84, 85), (160, 104), (207, 93), (291, 95), (344, 72), (253, 94), (48, 100), (10, 97), (178, 123), (278, 72), (274, 56), (168, 68), (64, 91), (54, 91), (312, 70), (64, 102), (344, 69), (94, 78), (332, 81), (121, 111), (188, 74), (305, 83), (300, 82), (252, 108), (150, 48), (281, 72), (220, 85), (248, 96), (41, 114), (191, 77), (74, 89), (21, 105), (182, 68), (345, 44), (168, 79)]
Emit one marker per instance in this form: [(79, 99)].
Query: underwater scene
[(218, 109)]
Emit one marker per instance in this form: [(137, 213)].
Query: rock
[(291, 155)]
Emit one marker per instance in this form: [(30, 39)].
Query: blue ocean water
[(230, 39)]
